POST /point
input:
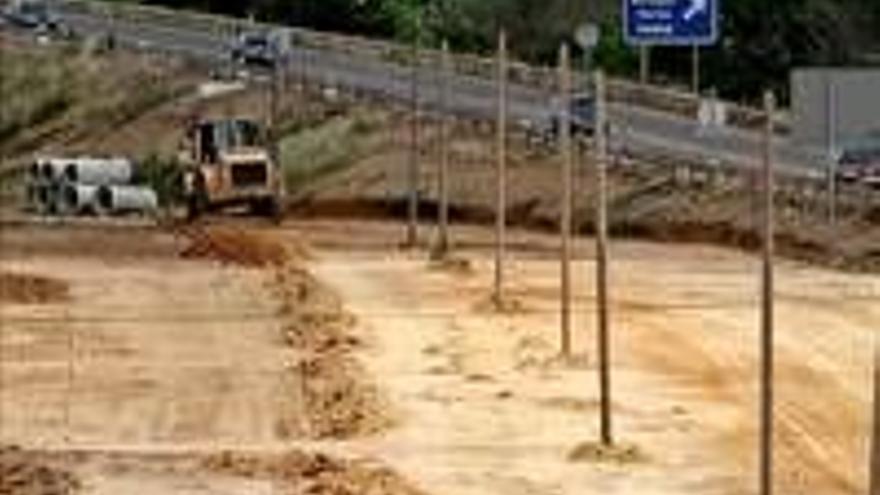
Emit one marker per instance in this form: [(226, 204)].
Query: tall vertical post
[(412, 233), (565, 156), (443, 210), (874, 477), (3, 106), (304, 68), (111, 28), (602, 319), (831, 144), (644, 64), (695, 70), (767, 307), (274, 119), (501, 192), (274, 104)]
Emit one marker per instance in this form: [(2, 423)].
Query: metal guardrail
[(650, 97)]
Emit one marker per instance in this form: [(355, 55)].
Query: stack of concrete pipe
[(87, 186)]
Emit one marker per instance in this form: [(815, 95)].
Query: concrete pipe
[(35, 170), (97, 171), (53, 168), (113, 199), (76, 199), (46, 199)]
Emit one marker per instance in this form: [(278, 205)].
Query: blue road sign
[(670, 22)]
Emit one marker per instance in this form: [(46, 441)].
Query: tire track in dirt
[(816, 420)]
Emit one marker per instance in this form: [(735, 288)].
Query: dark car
[(858, 161), (32, 14), (255, 49), (581, 114)]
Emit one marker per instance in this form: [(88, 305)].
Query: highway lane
[(644, 131)]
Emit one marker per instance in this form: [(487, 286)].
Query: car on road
[(255, 48), (581, 115), (858, 160), (32, 14)]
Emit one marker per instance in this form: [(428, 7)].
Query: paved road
[(643, 132)]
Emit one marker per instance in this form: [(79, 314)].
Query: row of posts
[(603, 322)]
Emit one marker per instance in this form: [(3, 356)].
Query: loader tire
[(197, 202), (269, 208)]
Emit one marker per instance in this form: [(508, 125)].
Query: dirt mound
[(337, 402), (315, 474), (234, 245), (23, 473), (19, 288)]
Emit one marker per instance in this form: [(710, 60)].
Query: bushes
[(165, 176)]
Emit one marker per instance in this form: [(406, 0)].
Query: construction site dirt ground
[(148, 367)]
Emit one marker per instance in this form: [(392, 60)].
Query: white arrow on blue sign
[(670, 22)]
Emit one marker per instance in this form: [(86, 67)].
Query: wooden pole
[(443, 210), (501, 150), (831, 139), (3, 107), (602, 319), (412, 234), (274, 106), (565, 222), (767, 306), (874, 487)]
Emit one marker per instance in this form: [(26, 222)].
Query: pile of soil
[(24, 473), (17, 288), (314, 474), (235, 246), (337, 402)]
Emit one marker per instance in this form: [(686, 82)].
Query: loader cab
[(229, 163), (212, 138)]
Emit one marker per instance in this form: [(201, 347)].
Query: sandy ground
[(175, 359), (487, 408), (144, 372), (193, 342), (167, 355)]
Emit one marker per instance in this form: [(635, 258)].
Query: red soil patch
[(235, 246), (24, 473), (19, 288)]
